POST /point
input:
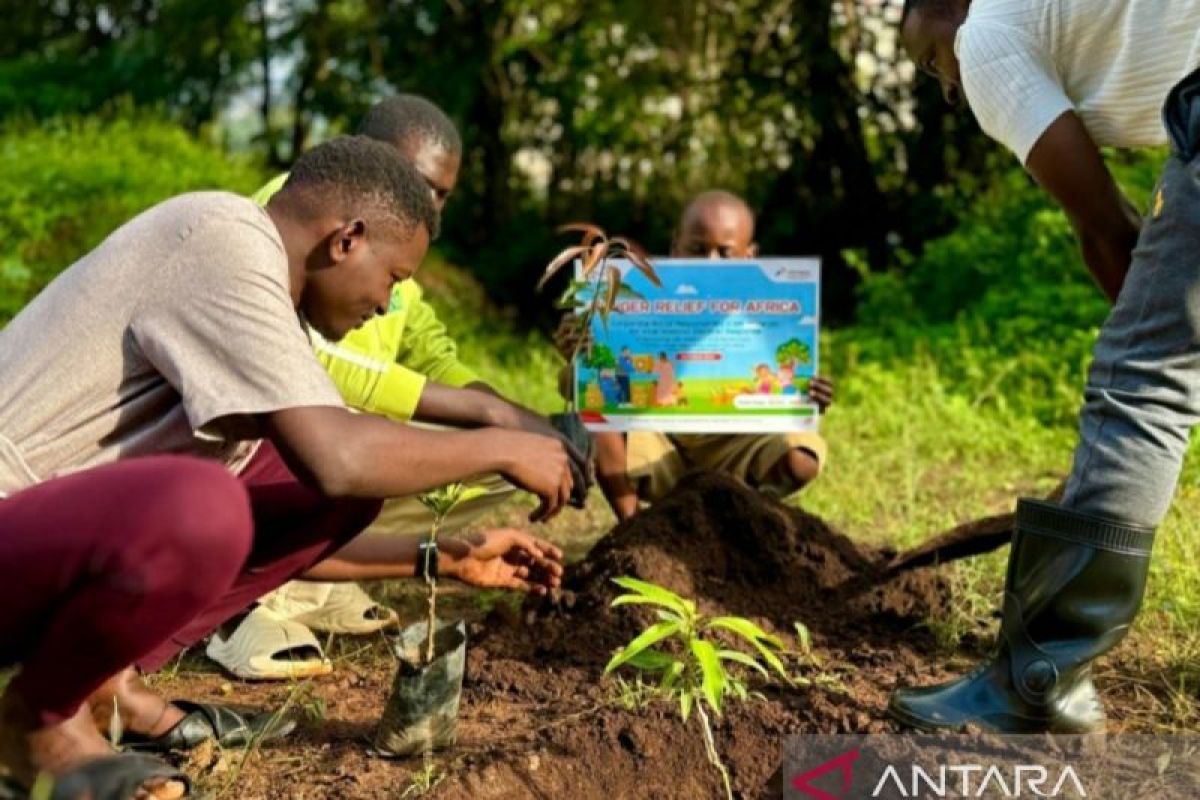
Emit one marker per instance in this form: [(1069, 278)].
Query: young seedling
[(594, 292), (424, 781), (690, 664), (440, 503)]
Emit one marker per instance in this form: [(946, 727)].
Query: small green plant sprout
[(440, 503), (597, 287), (803, 637), (690, 663), (423, 781)]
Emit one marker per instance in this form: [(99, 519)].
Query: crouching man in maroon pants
[(170, 450)]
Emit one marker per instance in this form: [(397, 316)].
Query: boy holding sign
[(641, 467)]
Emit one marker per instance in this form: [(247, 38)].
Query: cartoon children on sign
[(665, 388), (765, 381)]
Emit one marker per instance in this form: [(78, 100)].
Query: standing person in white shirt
[(1054, 80)]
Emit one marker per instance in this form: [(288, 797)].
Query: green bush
[(1003, 305), (70, 182)]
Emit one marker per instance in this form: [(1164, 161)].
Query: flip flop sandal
[(297, 597), (349, 610), (115, 777), (204, 721), (267, 647)]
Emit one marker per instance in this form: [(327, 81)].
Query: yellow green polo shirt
[(382, 367)]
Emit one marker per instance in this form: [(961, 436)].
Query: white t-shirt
[(1025, 62), (170, 337)]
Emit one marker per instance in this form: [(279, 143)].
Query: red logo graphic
[(843, 763)]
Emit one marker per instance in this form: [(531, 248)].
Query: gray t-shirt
[(167, 338)]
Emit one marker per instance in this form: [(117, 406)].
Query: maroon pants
[(132, 562)]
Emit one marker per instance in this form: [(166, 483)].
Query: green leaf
[(115, 726), (762, 641), (711, 672), (650, 660), (665, 597), (468, 494), (685, 705), (803, 637), (745, 628), (741, 658), (671, 677), (642, 600), (570, 296), (445, 499), (43, 787), (652, 635)]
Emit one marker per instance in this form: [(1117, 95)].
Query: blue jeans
[(1143, 390)]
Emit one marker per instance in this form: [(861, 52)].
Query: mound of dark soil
[(734, 552)]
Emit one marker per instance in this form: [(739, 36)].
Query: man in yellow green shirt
[(402, 365)]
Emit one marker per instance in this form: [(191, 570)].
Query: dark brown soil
[(538, 720), (734, 552)]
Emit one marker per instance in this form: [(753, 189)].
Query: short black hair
[(396, 119), (355, 175)]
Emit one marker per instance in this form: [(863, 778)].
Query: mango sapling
[(692, 664), (440, 503), (593, 292), (421, 713)]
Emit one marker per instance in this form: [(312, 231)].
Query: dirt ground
[(537, 720)]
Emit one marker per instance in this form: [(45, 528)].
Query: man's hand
[(582, 472), (821, 391), (479, 405), (504, 558), (539, 465)]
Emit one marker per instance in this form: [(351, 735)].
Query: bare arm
[(502, 558), (469, 406), (478, 404), (1067, 164), (361, 455), (611, 456)]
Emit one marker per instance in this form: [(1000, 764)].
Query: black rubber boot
[(1075, 583)]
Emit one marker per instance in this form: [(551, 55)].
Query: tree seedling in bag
[(691, 666), (440, 503), (421, 712)]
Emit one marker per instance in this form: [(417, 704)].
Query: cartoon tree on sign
[(793, 352), (600, 357)]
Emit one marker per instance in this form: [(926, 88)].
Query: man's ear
[(752, 250), (346, 239)]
